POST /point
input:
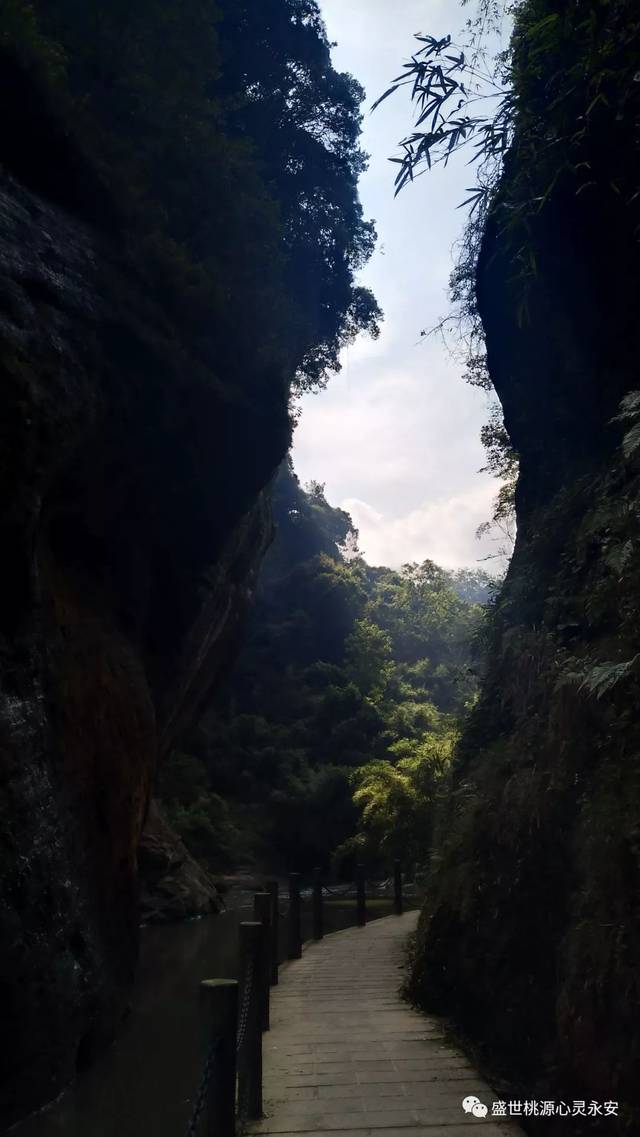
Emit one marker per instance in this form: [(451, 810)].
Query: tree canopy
[(231, 145), (337, 726)]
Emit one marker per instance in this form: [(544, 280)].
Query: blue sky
[(395, 436)]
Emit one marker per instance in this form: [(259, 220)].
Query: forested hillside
[(335, 732)]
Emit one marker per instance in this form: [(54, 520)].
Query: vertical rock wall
[(531, 934), (131, 524)]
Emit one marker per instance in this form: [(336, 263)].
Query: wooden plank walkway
[(346, 1056)]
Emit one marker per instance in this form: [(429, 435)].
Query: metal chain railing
[(207, 1074), (208, 1069), (243, 1017), (343, 890)]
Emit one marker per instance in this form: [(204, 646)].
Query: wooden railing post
[(220, 997), (361, 902), (250, 1021), (273, 890), (397, 887), (318, 930), (295, 937), (262, 912)]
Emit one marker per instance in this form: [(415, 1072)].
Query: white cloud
[(396, 435), (442, 531)]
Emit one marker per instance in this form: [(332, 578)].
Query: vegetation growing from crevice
[(336, 729)]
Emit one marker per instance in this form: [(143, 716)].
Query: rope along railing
[(229, 1092), (201, 1095), (341, 890)]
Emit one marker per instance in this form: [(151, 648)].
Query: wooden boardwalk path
[(346, 1056)]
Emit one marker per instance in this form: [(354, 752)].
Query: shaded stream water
[(144, 1084)]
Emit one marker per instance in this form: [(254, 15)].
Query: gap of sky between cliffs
[(395, 435)]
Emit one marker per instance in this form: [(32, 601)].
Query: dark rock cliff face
[(531, 935), (131, 524)]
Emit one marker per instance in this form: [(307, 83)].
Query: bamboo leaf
[(386, 94)]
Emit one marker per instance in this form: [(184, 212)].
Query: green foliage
[(182, 779), (475, 586), (542, 804), (444, 84), (231, 146), (306, 525), (574, 64), (604, 676), (630, 415), (304, 120), (311, 816), (368, 658), (344, 666), (20, 33), (200, 817), (397, 798)]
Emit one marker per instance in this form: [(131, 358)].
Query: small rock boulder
[(173, 886)]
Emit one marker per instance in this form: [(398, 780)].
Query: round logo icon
[(469, 1102)]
